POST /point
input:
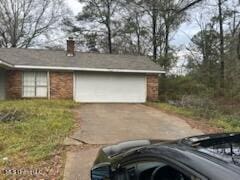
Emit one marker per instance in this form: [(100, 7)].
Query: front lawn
[(216, 119), (37, 134)]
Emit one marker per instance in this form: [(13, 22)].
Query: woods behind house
[(144, 27)]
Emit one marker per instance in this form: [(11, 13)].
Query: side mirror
[(101, 172)]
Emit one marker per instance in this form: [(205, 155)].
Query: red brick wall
[(61, 85), (13, 84), (152, 87)]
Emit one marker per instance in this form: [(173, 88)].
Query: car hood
[(122, 147)]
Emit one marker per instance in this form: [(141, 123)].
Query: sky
[(74, 5)]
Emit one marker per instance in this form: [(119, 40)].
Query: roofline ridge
[(60, 50)]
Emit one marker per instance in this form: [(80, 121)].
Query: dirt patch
[(50, 169), (203, 125)]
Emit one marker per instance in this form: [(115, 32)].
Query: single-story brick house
[(83, 77)]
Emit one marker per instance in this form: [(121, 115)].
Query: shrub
[(175, 87)]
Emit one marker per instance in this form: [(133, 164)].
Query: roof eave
[(88, 69), (6, 64)]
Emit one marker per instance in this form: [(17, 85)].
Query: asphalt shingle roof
[(34, 57)]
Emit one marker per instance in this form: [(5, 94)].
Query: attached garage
[(110, 87), (83, 77)]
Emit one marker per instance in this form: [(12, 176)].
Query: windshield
[(227, 151)]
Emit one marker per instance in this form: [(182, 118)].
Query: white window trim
[(49, 85), (35, 86)]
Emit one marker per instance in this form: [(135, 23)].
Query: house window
[(35, 84)]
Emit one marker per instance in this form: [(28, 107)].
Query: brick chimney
[(70, 47)]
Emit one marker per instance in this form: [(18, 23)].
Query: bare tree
[(21, 21), (165, 15), (101, 12), (134, 30)]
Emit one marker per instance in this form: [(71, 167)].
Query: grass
[(38, 134), (227, 122)]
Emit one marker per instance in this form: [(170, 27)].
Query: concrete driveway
[(102, 124), (111, 123)]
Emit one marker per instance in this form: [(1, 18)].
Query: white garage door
[(110, 87)]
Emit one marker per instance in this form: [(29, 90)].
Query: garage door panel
[(110, 87)]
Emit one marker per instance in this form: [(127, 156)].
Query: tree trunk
[(109, 39), (138, 44), (109, 28), (222, 75), (138, 31), (166, 50), (154, 32), (238, 46)]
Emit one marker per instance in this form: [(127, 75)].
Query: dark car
[(215, 157)]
